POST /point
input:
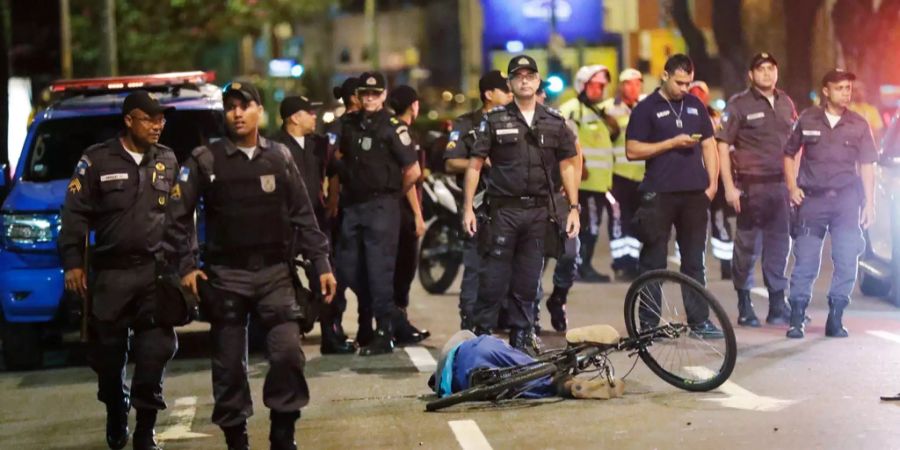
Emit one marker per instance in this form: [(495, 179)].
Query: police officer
[(404, 100), (833, 193), (258, 217), (672, 132), (531, 151), (595, 130), (756, 125), (627, 175), (310, 153), (494, 92), (120, 190), (378, 167), (346, 93)]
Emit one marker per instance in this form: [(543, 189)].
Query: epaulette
[(394, 121), (497, 109), (555, 112)]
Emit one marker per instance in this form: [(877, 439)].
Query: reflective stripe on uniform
[(597, 151), (625, 246), (591, 164)]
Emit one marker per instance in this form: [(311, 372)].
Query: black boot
[(725, 265), (383, 342), (405, 333), (556, 305), (331, 341), (523, 339), (798, 320), (144, 436), (779, 311), (587, 274), (281, 433), (117, 423), (537, 316), (834, 326), (236, 437), (746, 316)]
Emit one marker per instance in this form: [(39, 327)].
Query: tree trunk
[(704, 69), (732, 50), (797, 79)]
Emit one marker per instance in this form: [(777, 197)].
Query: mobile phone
[(696, 136)]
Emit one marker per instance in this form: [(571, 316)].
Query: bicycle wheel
[(662, 311), (492, 391)]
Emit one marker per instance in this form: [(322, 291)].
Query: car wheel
[(871, 286), (22, 348)]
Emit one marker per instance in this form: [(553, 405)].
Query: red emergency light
[(133, 81)]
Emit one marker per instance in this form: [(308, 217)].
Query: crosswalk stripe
[(469, 435), (885, 335), (422, 358)]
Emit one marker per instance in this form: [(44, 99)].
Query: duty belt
[(525, 202), (253, 261), (754, 179), (106, 262), (826, 192), (356, 198)]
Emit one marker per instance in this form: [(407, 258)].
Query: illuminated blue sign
[(528, 21)]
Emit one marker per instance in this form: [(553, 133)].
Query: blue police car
[(34, 307)]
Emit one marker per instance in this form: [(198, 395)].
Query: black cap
[(521, 62), (837, 75), (346, 89), (143, 101), (371, 81), (492, 80), (290, 105), (760, 58), (246, 91), (402, 97)]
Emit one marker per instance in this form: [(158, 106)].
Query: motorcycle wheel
[(440, 256)]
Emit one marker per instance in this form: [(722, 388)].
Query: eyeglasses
[(160, 121), (530, 76)]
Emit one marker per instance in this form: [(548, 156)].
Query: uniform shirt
[(125, 203), (676, 170), (519, 153), (362, 134), (311, 159), (196, 178), (758, 131), (830, 155)]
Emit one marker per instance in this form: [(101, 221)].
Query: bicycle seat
[(594, 334)]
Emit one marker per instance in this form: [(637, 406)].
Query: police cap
[(346, 89), (143, 101), (290, 105), (371, 81), (402, 97), (837, 75), (492, 80), (521, 62), (243, 90)]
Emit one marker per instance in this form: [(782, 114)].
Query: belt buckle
[(831, 193)]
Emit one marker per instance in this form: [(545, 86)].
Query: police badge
[(366, 143), (268, 183)]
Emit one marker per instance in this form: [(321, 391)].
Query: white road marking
[(740, 398), (184, 411), (469, 435), (885, 335), (422, 358), (762, 292)]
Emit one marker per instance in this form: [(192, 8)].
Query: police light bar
[(133, 82)]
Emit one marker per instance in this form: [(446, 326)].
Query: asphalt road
[(816, 392)]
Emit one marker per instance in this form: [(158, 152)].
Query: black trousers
[(133, 292), (763, 229), (231, 296), (407, 256), (689, 213), (592, 206), (512, 249), (624, 246)]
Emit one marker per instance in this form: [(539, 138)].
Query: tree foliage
[(869, 38), (167, 35)]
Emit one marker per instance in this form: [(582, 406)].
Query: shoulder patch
[(82, 165), (394, 121), (497, 109)]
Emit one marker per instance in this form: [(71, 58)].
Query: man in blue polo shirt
[(672, 132)]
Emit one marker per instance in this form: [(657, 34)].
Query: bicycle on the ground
[(662, 312)]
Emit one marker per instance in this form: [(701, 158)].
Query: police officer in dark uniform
[(377, 167), (310, 152), (673, 133), (833, 193), (494, 92), (258, 217), (755, 127), (120, 190), (404, 100), (532, 151)]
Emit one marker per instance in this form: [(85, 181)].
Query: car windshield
[(59, 143)]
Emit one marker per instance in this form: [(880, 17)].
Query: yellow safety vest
[(632, 170), (595, 143)]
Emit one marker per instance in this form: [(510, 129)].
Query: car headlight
[(26, 229)]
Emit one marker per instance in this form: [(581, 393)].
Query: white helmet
[(585, 73)]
